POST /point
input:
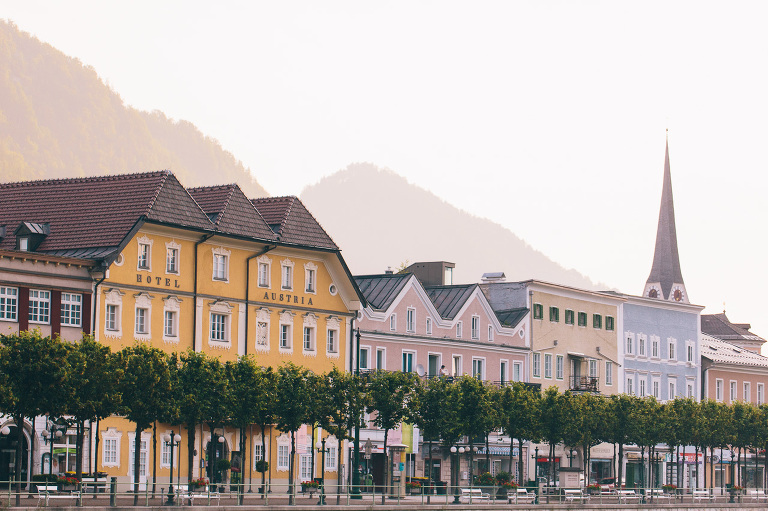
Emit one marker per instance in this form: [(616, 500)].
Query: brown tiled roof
[(93, 215), (718, 325), (231, 211), (292, 222)]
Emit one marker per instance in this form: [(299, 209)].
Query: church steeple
[(666, 280)]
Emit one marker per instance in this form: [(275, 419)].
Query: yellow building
[(205, 269)]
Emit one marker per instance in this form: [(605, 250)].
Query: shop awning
[(64, 450)]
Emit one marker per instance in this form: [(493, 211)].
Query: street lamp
[(536, 471), (320, 446), (52, 433), (171, 440), (456, 470)]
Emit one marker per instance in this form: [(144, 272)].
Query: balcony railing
[(584, 383)]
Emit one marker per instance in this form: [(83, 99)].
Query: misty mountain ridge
[(387, 221), (58, 119)]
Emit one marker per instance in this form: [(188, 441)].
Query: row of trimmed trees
[(85, 381)]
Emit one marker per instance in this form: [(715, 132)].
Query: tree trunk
[(19, 420), (243, 457), (264, 458), (136, 465), (520, 457), (340, 453), (96, 448), (431, 475), (154, 458), (386, 469), (79, 433), (620, 464), (290, 469), (191, 428), (32, 450)]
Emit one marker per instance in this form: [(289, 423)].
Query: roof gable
[(231, 211), (449, 300), (292, 222), (380, 291)]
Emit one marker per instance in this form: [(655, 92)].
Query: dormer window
[(24, 244), (29, 235)]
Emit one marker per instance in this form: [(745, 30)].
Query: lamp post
[(52, 433), (320, 446), (171, 440), (355, 493), (536, 471), (456, 469)]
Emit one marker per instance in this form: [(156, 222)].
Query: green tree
[(477, 411), (146, 388), (552, 424), (244, 377), (292, 409), (390, 393), (264, 412), (619, 425), (91, 386), (521, 409), (33, 370)]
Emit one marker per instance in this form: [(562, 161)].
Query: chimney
[(389, 271), (494, 277)]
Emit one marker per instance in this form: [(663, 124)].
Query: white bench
[(472, 494), (201, 496), (521, 495), (658, 494), (573, 494), (46, 492), (701, 495), (757, 495), (94, 484), (625, 495)]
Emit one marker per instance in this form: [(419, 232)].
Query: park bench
[(472, 494), (658, 494), (757, 495), (627, 495), (94, 484), (202, 497), (701, 495), (574, 494), (48, 492), (521, 495)]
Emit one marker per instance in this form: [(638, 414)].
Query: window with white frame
[(365, 354), (39, 306), (630, 385), (656, 388), (331, 458), (220, 265), (641, 386), (459, 327), (490, 333), (559, 366), (263, 274), (283, 456), (592, 368), (145, 254), (478, 368), (719, 389), (517, 371), (165, 456), (475, 331), (689, 352), (286, 331), (170, 323), (671, 352), (113, 300), (547, 365), (258, 452), (691, 391), (672, 389), (747, 396), (110, 451), (760, 394), (503, 372), (172, 257), (71, 309), (629, 345), (536, 364), (310, 278), (654, 346), (410, 320), (9, 303), (285, 336), (609, 373), (733, 394), (393, 322), (457, 369), (641, 345), (381, 359), (408, 358), (309, 338), (429, 326), (142, 321), (219, 327), (333, 341), (286, 272)]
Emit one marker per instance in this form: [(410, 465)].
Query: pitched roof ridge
[(382, 275), (82, 179), (160, 185)]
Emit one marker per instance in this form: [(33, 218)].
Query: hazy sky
[(546, 117)]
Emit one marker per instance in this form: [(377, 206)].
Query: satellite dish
[(420, 370)]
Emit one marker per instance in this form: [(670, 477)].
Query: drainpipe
[(194, 298), (95, 302), (248, 286)]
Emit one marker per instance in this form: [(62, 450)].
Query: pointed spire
[(666, 279)]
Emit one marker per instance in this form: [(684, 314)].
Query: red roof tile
[(231, 211), (292, 222)]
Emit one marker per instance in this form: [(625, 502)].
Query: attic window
[(24, 244)]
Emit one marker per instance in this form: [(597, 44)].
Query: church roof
[(666, 261)]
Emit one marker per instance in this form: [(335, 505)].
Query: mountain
[(59, 119), (387, 221)]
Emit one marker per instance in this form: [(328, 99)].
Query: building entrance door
[(8, 455)]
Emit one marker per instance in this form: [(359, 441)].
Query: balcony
[(584, 384)]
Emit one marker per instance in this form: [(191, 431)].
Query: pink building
[(418, 326)]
